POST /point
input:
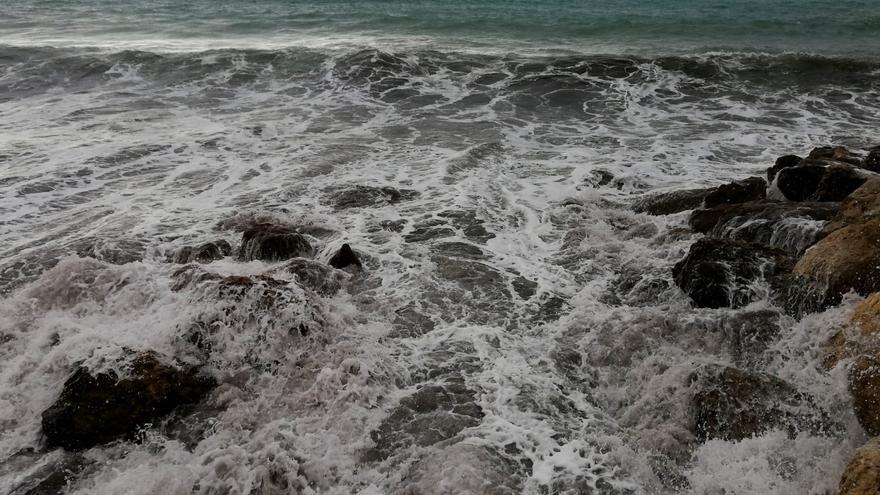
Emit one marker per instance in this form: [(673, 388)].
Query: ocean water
[(518, 291)]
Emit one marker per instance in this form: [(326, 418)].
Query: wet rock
[(55, 478), (862, 474), (410, 322), (465, 469), (860, 337), (316, 276), (204, 253), (719, 273), (370, 196), (345, 257), (864, 386), (814, 182), (672, 202), (524, 287), (429, 230), (792, 227), (731, 404), (861, 206), (273, 243), (782, 162), (741, 191), (98, 408), (848, 259), (872, 161), (835, 154), (748, 334), (432, 414), (393, 225), (467, 222), (459, 249)]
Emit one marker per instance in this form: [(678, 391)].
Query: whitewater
[(515, 328)]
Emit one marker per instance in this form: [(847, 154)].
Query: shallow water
[(517, 327)]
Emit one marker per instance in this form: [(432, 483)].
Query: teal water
[(630, 26)]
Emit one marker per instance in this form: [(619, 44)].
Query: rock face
[(782, 162), (345, 257), (273, 243), (741, 191), (370, 196), (864, 385), (98, 408), (672, 202), (861, 206), (817, 182), (204, 253), (834, 154), (848, 259), (432, 414), (719, 273), (731, 404), (862, 473), (792, 227)]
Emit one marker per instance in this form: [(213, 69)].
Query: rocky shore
[(805, 237)]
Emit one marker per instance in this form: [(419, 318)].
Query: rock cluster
[(803, 243)]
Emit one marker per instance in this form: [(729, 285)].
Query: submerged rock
[(741, 191), (719, 273), (466, 469), (732, 404), (314, 275), (345, 257), (54, 478), (848, 259), (370, 196), (782, 162), (98, 408), (748, 334), (269, 242), (204, 253), (862, 474), (672, 202), (430, 415)]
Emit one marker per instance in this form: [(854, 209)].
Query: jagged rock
[(848, 259), (860, 337), (204, 253), (345, 257), (98, 408), (54, 478), (835, 154), (872, 161), (782, 162), (273, 243), (792, 227), (864, 386), (732, 404), (671, 202), (719, 273), (741, 191), (815, 182), (370, 196), (317, 276), (861, 206), (862, 474), (430, 415)]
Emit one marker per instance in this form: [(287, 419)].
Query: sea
[(514, 329)]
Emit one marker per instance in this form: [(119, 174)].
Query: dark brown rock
[(862, 473), (672, 202), (732, 404), (861, 206), (864, 385), (273, 243), (204, 253), (718, 273), (782, 162), (98, 408), (741, 191), (819, 182), (345, 257), (799, 183)]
